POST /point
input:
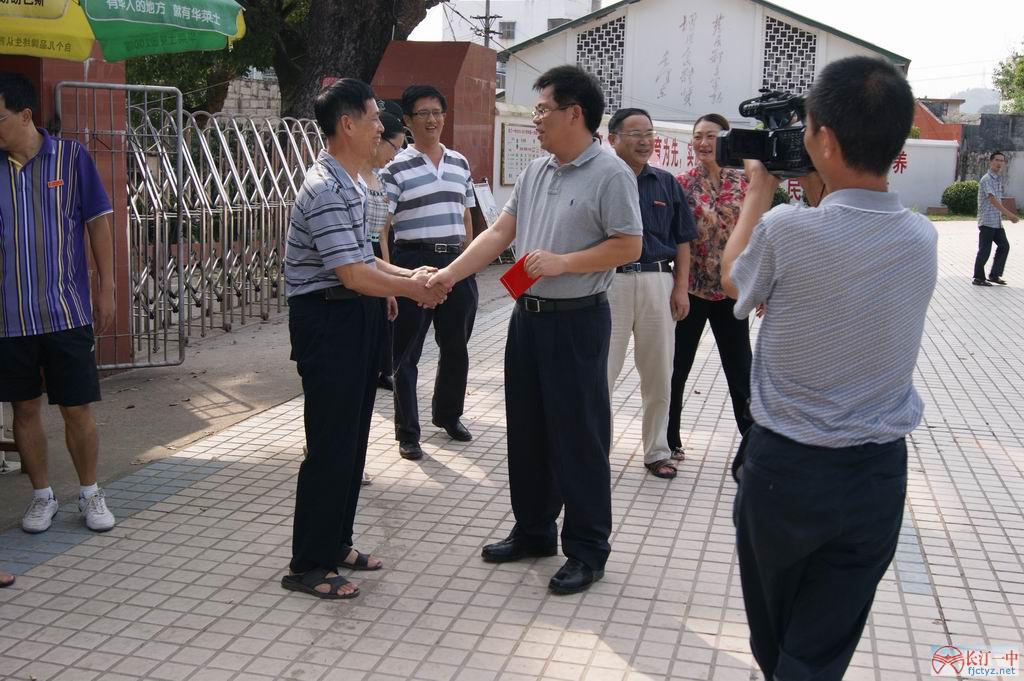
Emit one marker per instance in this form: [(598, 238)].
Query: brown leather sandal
[(661, 469)]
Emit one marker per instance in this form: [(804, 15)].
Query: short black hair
[(414, 93), (392, 126), (716, 118), (869, 105), (996, 153), (620, 116), (573, 85), (18, 92), (344, 97)]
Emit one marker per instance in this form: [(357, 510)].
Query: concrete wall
[(919, 178), (253, 98), (995, 132), (683, 58)]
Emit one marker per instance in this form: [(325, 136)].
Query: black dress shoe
[(997, 280), (980, 282), (456, 431), (513, 549), (573, 577), (410, 450), (386, 382)]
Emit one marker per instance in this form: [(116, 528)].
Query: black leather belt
[(533, 304), (424, 246), (329, 294), (660, 266)]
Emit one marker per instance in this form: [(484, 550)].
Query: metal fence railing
[(204, 202)]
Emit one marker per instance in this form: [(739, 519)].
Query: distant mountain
[(977, 97)]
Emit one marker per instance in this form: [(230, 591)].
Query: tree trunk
[(342, 38)]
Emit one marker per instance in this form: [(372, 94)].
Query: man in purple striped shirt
[(50, 194)]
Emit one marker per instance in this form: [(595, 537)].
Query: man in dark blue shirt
[(649, 296)]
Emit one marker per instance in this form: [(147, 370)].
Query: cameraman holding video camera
[(822, 474)]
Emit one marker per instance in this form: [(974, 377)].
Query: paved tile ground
[(186, 586)]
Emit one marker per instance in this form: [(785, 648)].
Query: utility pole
[(487, 19)]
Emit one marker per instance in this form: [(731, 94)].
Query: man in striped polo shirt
[(50, 194), (430, 192), (336, 324), (823, 471)]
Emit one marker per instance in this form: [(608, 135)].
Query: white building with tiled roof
[(682, 58)]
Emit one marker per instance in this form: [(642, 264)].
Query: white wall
[(672, 145), (930, 168), (671, 47), (1013, 176), (930, 164)]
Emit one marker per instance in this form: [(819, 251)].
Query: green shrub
[(961, 198), (915, 133), (781, 196)]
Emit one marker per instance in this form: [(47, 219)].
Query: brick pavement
[(186, 587)]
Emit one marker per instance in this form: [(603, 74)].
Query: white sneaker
[(39, 515), (98, 517)]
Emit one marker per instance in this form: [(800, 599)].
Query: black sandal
[(307, 582), (362, 562), (678, 454), (655, 469)]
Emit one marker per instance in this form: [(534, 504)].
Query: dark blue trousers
[(986, 237), (336, 346), (453, 325), (559, 429), (816, 529)]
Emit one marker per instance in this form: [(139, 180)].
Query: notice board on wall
[(519, 146)]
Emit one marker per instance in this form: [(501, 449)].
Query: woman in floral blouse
[(715, 195)]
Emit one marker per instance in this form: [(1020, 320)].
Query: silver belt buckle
[(440, 248), (535, 307), (631, 267)]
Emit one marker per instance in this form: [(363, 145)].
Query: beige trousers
[(640, 306)]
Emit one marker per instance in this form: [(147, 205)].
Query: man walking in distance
[(50, 196), (576, 213), (430, 192), (336, 321), (823, 471), (990, 223), (646, 298)]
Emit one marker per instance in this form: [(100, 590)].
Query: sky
[(952, 45)]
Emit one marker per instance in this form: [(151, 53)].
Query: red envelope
[(516, 280)]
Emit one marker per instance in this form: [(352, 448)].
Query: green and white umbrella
[(68, 29)]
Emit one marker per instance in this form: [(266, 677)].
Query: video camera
[(780, 146)]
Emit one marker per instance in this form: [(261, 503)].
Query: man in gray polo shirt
[(576, 214), (823, 471)]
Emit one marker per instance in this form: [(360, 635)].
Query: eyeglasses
[(391, 143), (425, 114), (5, 117), (638, 134), (541, 112)]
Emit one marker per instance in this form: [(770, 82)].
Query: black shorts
[(66, 358)]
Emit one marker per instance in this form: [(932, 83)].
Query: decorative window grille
[(789, 57), (507, 30), (601, 51)]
